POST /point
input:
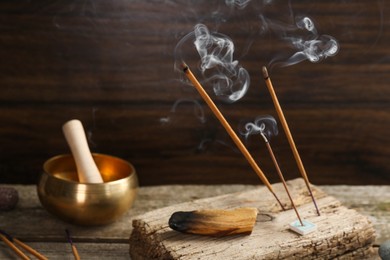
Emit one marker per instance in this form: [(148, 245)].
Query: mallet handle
[(77, 141)]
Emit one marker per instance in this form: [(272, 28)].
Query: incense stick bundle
[(13, 247), (229, 130), (11, 241), (288, 134), (214, 222)]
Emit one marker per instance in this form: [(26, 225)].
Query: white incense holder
[(307, 227), (87, 170)]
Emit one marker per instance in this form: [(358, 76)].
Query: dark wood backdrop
[(110, 64)]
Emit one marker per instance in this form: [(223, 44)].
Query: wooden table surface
[(30, 223)]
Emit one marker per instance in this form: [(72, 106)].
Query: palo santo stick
[(271, 152), (229, 130), (288, 134), (87, 170), (214, 222), (13, 247)]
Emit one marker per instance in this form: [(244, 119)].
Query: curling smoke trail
[(197, 108), (305, 39), (263, 124), (230, 81), (241, 4), (302, 35)]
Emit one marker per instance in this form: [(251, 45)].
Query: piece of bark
[(341, 232)]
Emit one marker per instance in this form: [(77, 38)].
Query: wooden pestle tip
[(265, 72), (71, 123)]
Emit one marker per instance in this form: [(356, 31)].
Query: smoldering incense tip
[(184, 66), (264, 137), (265, 72)]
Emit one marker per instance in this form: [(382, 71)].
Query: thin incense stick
[(280, 175), (229, 130), (288, 134), (13, 247), (29, 249), (74, 249)]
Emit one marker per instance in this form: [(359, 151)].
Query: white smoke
[(305, 39), (241, 4), (229, 80), (262, 125), (197, 111)]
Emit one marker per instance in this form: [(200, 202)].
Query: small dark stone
[(9, 197), (384, 250)]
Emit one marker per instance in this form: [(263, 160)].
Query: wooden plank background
[(110, 64)]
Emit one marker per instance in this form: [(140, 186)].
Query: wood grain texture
[(112, 240), (63, 251), (110, 64), (341, 232)]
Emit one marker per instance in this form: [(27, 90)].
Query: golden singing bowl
[(87, 203)]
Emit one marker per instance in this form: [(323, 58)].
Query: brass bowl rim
[(132, 174)]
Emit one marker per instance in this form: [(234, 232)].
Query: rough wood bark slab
[(341, 232)]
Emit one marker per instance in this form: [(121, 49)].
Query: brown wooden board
[(110, 64)]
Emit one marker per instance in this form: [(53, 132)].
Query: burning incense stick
[(280, 175), (288, 134), (74, 249), (229, 130), (10, 241)]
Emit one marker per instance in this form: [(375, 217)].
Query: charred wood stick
[(214, 222)]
